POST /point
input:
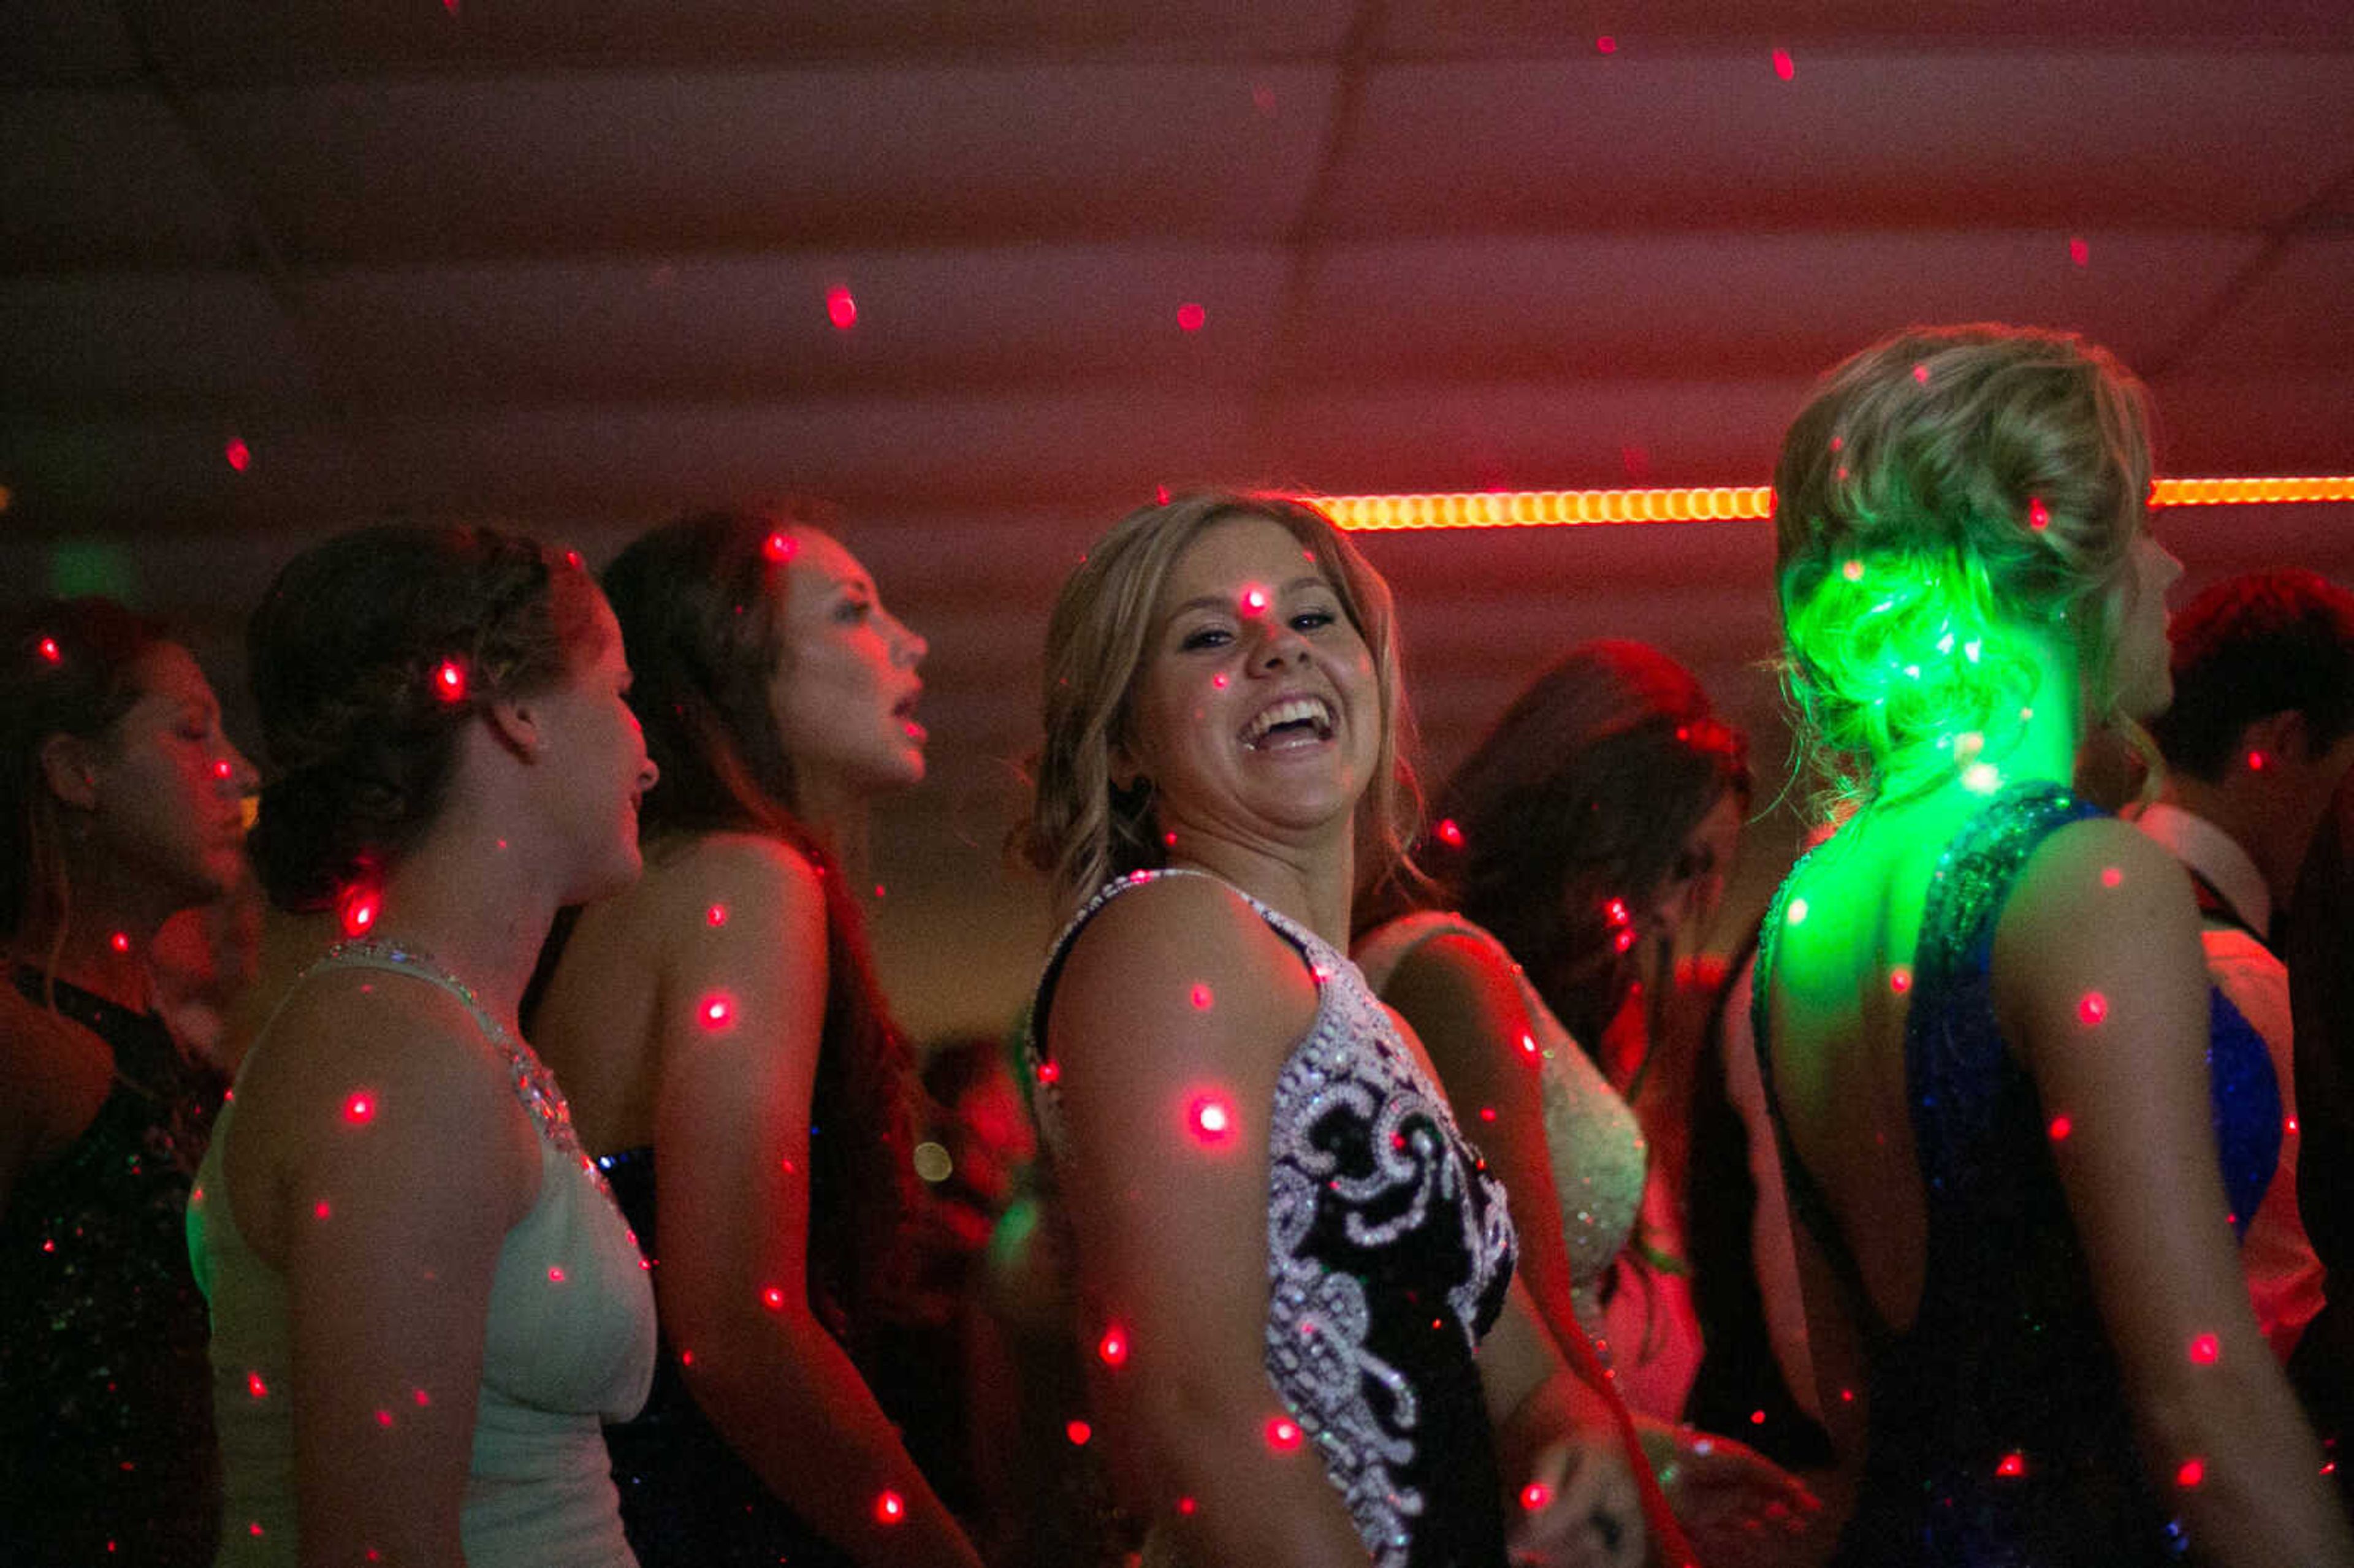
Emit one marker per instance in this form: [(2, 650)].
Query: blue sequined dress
[(1999, 1431), (1389, 1252)]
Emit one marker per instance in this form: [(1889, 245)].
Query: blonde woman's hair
[(1946, 492), (1083, 830)]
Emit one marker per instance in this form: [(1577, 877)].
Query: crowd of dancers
[(1367, 1181)]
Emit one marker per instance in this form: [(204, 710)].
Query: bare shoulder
[(2099, 879), (717, 878), (54, 1076)]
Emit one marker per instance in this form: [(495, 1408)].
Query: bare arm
[(54, 1076), (731, 1123), (2225, 1440), (1173, 1230), (408, 1160)]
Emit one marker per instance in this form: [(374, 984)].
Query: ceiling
[(578, 266)]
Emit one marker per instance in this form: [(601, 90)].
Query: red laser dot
[(2060, 1127), (450, 681), (555, 1276), (221, 769), (1160, 497), (1535, 1495), (1201, 999), (717, 1011), (1190, 317), (2039, 517), (1900, 979), (1625, 940), (2079, 251), (1169, 839), (1529, 1045), (2205, 1350), (119, 942), (2255, 762), (421, 1398), (255, 1386), (319, 1210), (384, 1418), (1756, 1418), (1783, 65), (1218, 683), (841, 309), (1049, 1071), (240, 455), (50, 651), (686, 1358), (781, 546), (2193, 1471), (572, 559), (1255, 601), (1186, 1506), (890, 1508), (1606, 45), (2290, 1127), (253, 1528), (1450, 832), (773, 1299), (1078, 1432), (1616, 912), (2111, 876), (2093, 1008), (1283, 1435), (1851, 570), (1847, 1396), (715, 915), (1113, 1347), (359, 914), (360, 1108), (1487, 1113), (878, 890), (1211, 1118), (1921, 374), (2012, 1464)]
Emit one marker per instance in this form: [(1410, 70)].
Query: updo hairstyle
[(369, 656), (1946, 494), (67, 667), (1083, 831)]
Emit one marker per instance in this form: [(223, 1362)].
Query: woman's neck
[(103, 943), (838, 818), (1314, 886), (474, 915)]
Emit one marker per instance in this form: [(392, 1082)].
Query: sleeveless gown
[(568, 1341), (1389, 1253), (106, 1405), (2000, 1434)]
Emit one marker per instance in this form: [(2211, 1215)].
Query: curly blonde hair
[(1083, 830), (1945, 493)]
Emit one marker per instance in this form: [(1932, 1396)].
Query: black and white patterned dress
[(1389, 1254)]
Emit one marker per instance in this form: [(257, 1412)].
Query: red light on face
[(2039, 517), (1535, 1495), (2204, 1351), (1210, 1121), (715, 915), (240, 455), (2193, 1471), (2012, 1464), (773, 1299), (119, 942), (841, 309), (2060, 1127), (1201, 999), (890, 1508), (1078, 1432), (360, 1108), (450, 681), (50, 651), (781, 546), (716, 1012), (1283, 1435), (1783, 65), (1190, 317), (1113, 1347), (2092, 1008), (222, 769), (1255, 601)]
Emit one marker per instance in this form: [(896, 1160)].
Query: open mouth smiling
[(1293, 721)]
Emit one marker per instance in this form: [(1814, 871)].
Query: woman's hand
[(1739, 1508), (1579, 1506)]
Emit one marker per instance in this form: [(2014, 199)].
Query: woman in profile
[(2019, 1131), (1287, 1253), (423, 1300), (119, 809), (718, 1025)]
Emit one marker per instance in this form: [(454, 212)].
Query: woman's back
[(1955, 1302)]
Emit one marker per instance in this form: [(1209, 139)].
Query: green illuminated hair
[(1950, 495), (1083, 831)]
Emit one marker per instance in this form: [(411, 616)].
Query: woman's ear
[(69, 767), (517, 723)]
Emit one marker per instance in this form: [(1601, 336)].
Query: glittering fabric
[(1389, 1254), (2000, 1432), (106, 1413)]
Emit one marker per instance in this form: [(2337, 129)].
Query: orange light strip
[(1726, 504)]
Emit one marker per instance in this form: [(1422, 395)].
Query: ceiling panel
[(1853, 140), (104, 179), (1664, 305), (759, 325), (402, 169)]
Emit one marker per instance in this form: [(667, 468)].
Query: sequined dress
[(2000, 1432), (106, 1414), (568, 1342), (1389, 1255)]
